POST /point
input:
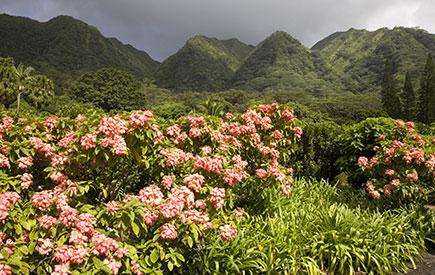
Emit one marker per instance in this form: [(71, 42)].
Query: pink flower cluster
[(228, 232), (6, 200), (25, 162)]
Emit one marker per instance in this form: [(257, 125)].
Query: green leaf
[(154, 256), (135, 228)]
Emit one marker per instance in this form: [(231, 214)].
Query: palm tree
[(23, 75), (212, 108)]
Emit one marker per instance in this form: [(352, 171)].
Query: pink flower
[(50, 123), (413, 176), (85, 223), (206, 150), (113, 265), (200, 204), (297, 131), (25, 162), (194, 182), (80, 117), (168, 231), (288, 115), (26, 180), (374, 194), (239, 212), (135, 268), (151, 195), (61, 269), (4, 161), (229, 116), (399, 123), (44, 246), (88, 141), (363, 162), (261, 173), (138, 119), (63, 254), (68, 216), (46, 222), (78, 238), (168, 181), (112, 207), (112, 126), (150, 217), (103, 245), (277, 134), (217, 196), (213, 165), (389, 172), (233, 176), (5, 269), (42, 200), (69, 138), (228, 232)]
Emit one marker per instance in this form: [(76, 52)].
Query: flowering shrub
[(128, 192), (403, 165)]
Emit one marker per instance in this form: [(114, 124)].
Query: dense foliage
[(313, 232), (123, 192), (63, 48), (403, 166), (109, 89), (19, 83), (203, 64)]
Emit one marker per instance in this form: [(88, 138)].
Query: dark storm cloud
[(160, 27)]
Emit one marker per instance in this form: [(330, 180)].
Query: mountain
[(202, 64), (65, 47), (282, 62), (358, 56)]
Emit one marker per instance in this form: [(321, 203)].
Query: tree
[(389, 97), (408, 99), (426, 96), (17, 83), (110, 89), (23, 77)]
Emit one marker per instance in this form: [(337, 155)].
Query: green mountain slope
[(202, 64), (282, 62), (358, 56), (64, 47)]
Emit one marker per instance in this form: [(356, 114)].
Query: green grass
[(314, 232)]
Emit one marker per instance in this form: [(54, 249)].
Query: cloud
[(160, 27)]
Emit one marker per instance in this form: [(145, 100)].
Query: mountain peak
[(65, 47)]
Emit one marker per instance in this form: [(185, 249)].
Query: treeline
[(409, 103)]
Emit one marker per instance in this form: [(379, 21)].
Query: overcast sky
[(160, 27)]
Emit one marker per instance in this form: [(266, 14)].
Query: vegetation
[(109, 89), (215, 174), (19, 83), (63, 48), (203, 64)]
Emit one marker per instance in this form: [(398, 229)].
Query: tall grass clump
[(314, 232)]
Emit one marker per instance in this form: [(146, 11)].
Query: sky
[(161, 27)]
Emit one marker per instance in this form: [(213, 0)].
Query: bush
[(403, 167), (127, 193)]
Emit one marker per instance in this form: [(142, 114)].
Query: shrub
[(403, 167), (130, 193)]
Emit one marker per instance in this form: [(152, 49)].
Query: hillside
[(358, 56), (282, 62), (64, 47), (202, 64)]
